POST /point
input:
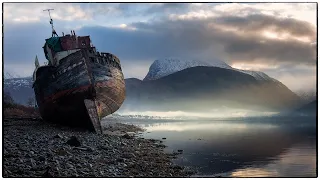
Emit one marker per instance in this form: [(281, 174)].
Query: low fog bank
[(213, 112), (210, 106), (219, 113), (203, 104)]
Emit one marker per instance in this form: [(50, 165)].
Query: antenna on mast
[(51, 22)]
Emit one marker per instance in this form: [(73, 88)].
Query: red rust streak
[(78, 89), (64, 92)]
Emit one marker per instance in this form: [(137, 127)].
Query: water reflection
[(241, 148), (298, 161)]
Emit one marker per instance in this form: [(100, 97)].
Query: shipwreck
[(78, 85)]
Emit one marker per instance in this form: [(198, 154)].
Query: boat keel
[(91, 106)]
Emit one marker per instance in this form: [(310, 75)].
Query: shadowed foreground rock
[(39, 149)]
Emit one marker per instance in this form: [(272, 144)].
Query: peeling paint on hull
[(80, 91)]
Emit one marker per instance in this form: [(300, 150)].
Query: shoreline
[(35, 148)]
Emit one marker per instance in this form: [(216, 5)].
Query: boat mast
[(51, 22)]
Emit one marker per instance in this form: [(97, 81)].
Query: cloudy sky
[(276, 38)]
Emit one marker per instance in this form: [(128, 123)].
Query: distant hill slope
[(307, 95), (308, 109)]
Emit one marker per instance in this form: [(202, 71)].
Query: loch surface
[(255, 147)]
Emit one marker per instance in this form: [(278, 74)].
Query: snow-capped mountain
[(10, 75), (20, 89), (164, 67), (16, 83), (203, 88)]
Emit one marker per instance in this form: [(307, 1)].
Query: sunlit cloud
[(249, 36), (25, 12), (25, 19), (253, 66), (286, 36)]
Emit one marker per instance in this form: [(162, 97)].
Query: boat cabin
[(57, 48)]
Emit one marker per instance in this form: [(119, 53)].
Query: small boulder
[(61, 152), (127, 136), (42, 158), (73, 141)]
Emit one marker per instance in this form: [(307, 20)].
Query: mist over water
[(223, 112), (239, 147)]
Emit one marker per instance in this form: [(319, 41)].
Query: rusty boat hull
[(81, 90)]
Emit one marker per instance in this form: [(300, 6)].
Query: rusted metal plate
[(72, 42)]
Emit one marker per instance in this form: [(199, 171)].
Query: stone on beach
[(73, 141)]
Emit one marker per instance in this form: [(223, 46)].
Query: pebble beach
[(35, 148)]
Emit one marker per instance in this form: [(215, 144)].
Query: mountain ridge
[(164, 67), (207, 86)]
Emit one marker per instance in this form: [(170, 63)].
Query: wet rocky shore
[(34, 148)]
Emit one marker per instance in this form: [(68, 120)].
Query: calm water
[(240, 148)]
